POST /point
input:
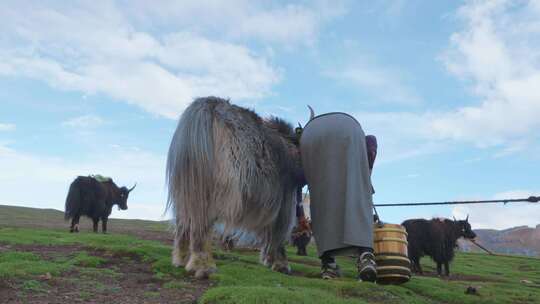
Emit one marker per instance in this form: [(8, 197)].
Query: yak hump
[(101, 178)]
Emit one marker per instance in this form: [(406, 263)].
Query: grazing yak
[(228, 165), (436, 238), (94, 198)]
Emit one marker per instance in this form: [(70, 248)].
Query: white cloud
[(43, 182), (157, 56), (498, 52), (283, 24), (85, 121), (7, 127), (499, 216), (98, 48)]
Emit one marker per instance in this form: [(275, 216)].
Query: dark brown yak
[(95, 199), (228, 165), (436, 238)]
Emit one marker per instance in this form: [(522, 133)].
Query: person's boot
[(330, 271), (367, 268)]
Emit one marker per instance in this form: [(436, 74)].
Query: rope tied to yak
[(530, 199)]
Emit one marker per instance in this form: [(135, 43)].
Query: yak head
[(464, 228), (123, 194), (290, 137)]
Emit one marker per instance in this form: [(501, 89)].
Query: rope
[(530, 199), (481, 247)]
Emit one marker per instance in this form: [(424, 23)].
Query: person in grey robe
[(337, 171)]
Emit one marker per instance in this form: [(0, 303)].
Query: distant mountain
[(522, 240)]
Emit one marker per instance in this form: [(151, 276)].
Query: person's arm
[(371, 147)]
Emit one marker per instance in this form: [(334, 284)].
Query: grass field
[(40, 262)]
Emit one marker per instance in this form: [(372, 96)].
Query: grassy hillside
[(43, 265), (13, 216)]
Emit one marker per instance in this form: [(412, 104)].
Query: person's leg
[(367, 268), (329, 268)]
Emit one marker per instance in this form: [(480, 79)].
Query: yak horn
[(300, 125), (311, 112), (454, 218), (132, 187), (467, 219)]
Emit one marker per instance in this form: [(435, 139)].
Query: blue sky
[(450, 88)]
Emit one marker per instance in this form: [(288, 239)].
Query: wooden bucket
[(390, 246)]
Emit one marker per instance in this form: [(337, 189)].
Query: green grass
[(85, 260), (241, 279), (34, 286), (23, 264), (176, 285)]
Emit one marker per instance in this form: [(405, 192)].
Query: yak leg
[(75, 224), (280, 263), (96, 221), (275, 258), (439, 268), (273, 252), (274, 255), (447, 269), (180, 254), (200, 261), (415, 262), (104, 225)]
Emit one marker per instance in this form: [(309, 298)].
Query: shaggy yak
[(436, 238), (228, 165), (95, 199)]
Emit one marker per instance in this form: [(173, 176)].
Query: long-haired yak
[(228, 165), (436, 238)]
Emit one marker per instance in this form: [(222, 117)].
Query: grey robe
[(335, 163)]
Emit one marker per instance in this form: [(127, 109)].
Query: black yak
[(95, 199), (228, 165), (436, 238)]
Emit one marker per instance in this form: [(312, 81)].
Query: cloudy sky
[(450, 88)]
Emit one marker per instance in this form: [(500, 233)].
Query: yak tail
[(190, 164), (73, 201)]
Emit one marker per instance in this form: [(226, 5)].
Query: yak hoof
[(203, 274), (180, 257), (202, 265), (179, 261), (282, 267)]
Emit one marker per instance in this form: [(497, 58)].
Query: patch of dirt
[(121, 279), (161, 236)]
